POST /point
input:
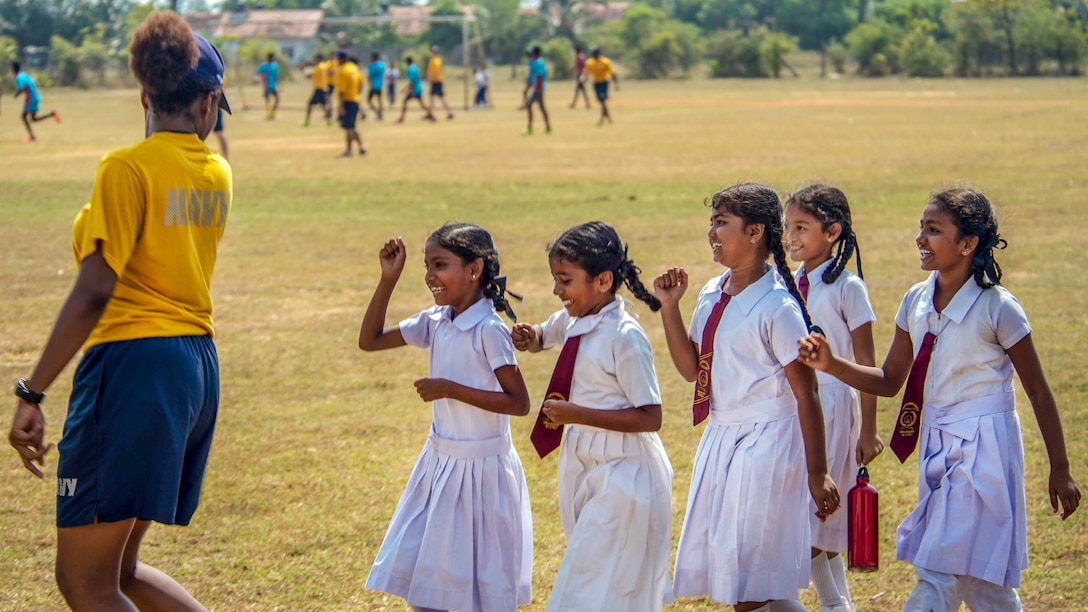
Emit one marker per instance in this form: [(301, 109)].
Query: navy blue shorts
[(318, 97), (601, 89), (139, 427), (219, 122), (351, 111)]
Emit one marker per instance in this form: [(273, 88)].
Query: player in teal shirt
[(535, 83), (24, 84), (413, 91), (375, 72), (270, 71)]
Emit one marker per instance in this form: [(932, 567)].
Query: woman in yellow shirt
[(146, 392), (599, 68)]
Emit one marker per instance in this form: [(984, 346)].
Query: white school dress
[(615, 488), (746, 532), (971, 514), (461, 537), (839, 309)]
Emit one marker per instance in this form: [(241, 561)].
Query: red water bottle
[(863, 525)]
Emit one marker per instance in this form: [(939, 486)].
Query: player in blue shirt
[(375, 73), (413, 91), (534, 90), (24, 83), (268, 72)]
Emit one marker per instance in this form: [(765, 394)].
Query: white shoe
[(842, 606)]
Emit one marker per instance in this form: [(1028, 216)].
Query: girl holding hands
[(745, 540), (461, 537), (967, 537), (615, 480), (819, 234)]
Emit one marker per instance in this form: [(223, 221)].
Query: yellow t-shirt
[(599, 69), (320, 76), (434, 70), (330, 71), (348, 82), (157, 212)]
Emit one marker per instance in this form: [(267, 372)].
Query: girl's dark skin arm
[(373, 336), (513, 399), (669, 287), (77, 319), (630, 420), (885, 381), (1062, 487), (820, 485)]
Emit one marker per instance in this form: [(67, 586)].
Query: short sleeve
[(1010, 320), (498, 346), (418, 329), (787, 327), (554, 330), (114, 217), (635, 367), (902, 318), (857, 310)]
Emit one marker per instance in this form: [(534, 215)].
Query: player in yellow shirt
[(145, 396), (349, 85), (320, 77), (434, 75), (599, 68)]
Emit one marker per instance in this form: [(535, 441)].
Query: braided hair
[(162, 55), (828, 205), (595, 247), (974, 215), (758, 203), (471, 242)]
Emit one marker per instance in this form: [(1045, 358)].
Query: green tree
[(1035, 34), (973, 37), (873, 46), (733, 53), (66, 61), (919, 52), (1005, 15), (445, 35), (1069, 43), (773, 50)]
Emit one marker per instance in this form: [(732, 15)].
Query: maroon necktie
[(905, 436), (700, 405), (547, 435), (802, 286)]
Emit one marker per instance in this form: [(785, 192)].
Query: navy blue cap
[(209, 68)]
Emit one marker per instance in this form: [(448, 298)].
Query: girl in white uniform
[(615, 480), (745, 540), (461, 537), (819, 234), (967, 537)]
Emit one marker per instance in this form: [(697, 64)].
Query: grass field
[(316, 439)]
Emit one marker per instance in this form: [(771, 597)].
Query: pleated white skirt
[(461, 537), (746, 533), (615, 500), (842, 427)]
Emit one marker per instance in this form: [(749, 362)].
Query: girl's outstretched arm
[(630, 420), (821, 486), (527, 337), (669, 287), (869, 443), (513, 399), (885, 381), (372, 336), (1063, 488)]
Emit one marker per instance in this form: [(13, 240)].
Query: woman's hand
[(670, 286), (560, 412), (524, 336), (27, 436), (431, 389), (392, 257), (815, 352), (825, 494), (1064, 489)]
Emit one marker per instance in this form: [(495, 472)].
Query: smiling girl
[(967, 538), (615, 480), (819, 233), (745, 540), (461, 537)]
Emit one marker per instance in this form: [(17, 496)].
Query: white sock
[(786, 605), (838, 572), (826, 586)]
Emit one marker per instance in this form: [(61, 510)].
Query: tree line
[(78, 41)]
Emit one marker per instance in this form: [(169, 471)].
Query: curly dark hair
[(596, 247), (470, 242), (974, 215), (828, 205), (758, 203), (163, 54)]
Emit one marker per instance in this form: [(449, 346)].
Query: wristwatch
[(24, 393)]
